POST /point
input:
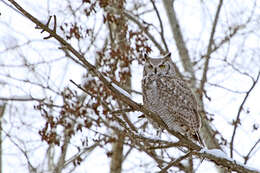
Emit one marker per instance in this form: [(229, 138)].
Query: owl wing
[(182, 104)]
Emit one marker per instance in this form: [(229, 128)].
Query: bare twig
[(161, 26), (32, 168), (11, 7), (247, 157), (210, 47), (237, 69), (143, 28), (237, 121), (20, 99), (175, 162), (29, 82), (225, 88), (122, 111), (86, 151), (227, 38)]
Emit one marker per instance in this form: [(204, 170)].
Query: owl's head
[(159, 66)]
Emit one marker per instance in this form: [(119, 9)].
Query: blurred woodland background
[(70, 84)]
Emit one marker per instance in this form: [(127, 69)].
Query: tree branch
[(237, 121), (143, 28), (251, 150), (220, 158), (175, 162), (20, 99), (177, 34), (210, 47), (161, 26)]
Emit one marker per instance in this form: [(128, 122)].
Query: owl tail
[(198, 138)]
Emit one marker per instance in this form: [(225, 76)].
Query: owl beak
[(155, 70)]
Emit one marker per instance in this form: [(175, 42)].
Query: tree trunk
[(2, 110)]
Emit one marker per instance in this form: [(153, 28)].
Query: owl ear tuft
[(146, 58), (168, 56)]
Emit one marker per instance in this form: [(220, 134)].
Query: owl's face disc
[(158, 66)]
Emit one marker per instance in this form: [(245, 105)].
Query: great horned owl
[(167, 95)]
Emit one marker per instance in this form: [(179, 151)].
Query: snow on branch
[(220, 158), (122, 91)]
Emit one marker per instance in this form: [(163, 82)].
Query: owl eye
[(150, 66), (162, 66)]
